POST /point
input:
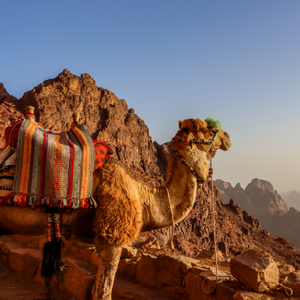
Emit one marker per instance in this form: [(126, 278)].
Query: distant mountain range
[(292, 198), (262, 201)]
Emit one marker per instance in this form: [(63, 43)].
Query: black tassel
[(52, 264)]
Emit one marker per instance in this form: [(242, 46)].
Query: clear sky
[(237, 61)]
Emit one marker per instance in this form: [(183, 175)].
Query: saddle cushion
[(11, 133), (102, 153)]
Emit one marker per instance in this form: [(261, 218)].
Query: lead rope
[(214, 221), (288, 291), (210, 174), (172, 218)]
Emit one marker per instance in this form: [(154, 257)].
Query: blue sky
[(237, 61)]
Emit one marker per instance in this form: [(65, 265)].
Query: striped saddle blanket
[(53, 168)]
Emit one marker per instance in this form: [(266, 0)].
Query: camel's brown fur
[(119, 214)]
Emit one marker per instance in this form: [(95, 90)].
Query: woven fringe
[(34, 200)]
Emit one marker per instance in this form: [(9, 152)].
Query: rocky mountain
[(262, 201), (109, 119), (8, 111), (292, 199)]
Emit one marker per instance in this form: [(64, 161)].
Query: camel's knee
[(108, 253)]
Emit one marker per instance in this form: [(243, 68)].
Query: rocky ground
[(14, 286), (146, 272)]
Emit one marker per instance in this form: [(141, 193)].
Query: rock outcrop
[(8, 112)]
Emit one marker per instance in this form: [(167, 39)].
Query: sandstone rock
[(241, 295), (16, 259), (5, 96), (127, 267), (224, 292), (193, 285), (147, 270), (285, 269), (32, 262), (170, 269), (166, 269), (128, 252), (78, 280), (150, 242), (210, 254), (176, 264), (292, 281), (8, 113), (256, 270)]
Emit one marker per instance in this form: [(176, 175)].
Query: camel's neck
[(179, 190)]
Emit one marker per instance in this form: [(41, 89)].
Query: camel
[(127, 206)]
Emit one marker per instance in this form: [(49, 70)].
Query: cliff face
[(265, 198), (110, 120), (8, 112), (261, 200)]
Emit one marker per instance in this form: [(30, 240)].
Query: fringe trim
[(36, 200)]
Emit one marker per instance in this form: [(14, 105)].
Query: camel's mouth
[(227, 145)]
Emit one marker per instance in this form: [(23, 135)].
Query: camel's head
[(197, 140), (196, 129)]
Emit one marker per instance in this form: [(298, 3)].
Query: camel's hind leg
[(109, 257)]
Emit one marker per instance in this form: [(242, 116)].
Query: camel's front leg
[(109, 257)]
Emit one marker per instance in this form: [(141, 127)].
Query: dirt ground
[(13, 286)]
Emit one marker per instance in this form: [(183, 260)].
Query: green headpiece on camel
[(213, 122)]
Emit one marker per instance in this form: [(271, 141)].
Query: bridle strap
[(200, 141), (199, 179), (197, 141), (203, 141)]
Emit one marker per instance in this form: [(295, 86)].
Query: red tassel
[(84, 203), (70, 203), (22, 200)]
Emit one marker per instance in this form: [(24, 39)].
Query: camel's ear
[(195, 124), (180, 123)]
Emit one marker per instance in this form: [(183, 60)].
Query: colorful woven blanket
[(54, 169)]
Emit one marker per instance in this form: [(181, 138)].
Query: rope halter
[(197, 141)]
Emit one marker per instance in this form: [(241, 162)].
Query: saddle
[(44, 167)]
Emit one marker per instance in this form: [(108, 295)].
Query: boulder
[(127, 267), (193, 285), (164, 270), (251, 296), (210, 254), (128, 252), (256, 270), (150, 242), (285, 269), (147, 270), (292, 281)]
